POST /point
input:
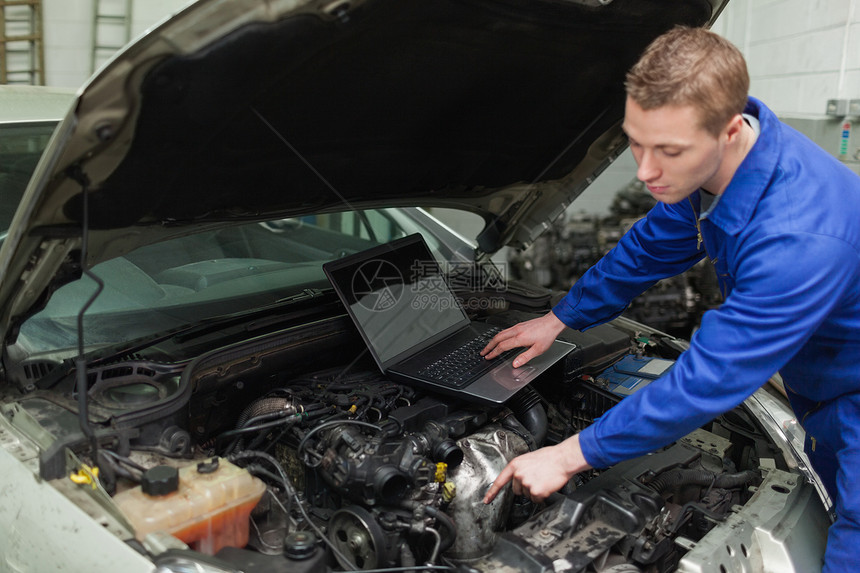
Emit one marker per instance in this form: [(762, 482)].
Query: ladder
[(22, 53), (111, 29)]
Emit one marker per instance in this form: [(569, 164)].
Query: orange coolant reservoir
[(206, 505)]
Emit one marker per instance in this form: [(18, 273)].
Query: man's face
[(675, 155)]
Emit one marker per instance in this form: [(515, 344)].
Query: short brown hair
[(692, 66)]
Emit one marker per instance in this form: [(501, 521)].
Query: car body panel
[(44, 529)]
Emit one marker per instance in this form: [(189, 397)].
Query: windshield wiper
[(266, 315), (264, 312)]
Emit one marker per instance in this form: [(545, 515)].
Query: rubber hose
[(528, 410), (678, 477)]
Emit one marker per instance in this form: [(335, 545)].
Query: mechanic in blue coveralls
[(780, 219)]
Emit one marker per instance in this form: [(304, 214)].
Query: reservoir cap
[(160, 480)]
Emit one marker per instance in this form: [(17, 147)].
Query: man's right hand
[(538, 474), (535, 335)]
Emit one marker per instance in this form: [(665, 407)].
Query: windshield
[(217, 273), (21, 145)]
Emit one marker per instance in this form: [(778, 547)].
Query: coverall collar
[(739, 200)]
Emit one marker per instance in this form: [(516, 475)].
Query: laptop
[(411, 321)]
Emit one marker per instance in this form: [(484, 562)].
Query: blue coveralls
[(785, 240)]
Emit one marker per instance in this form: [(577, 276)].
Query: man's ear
[(734, 127)]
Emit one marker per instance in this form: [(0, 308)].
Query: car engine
[(339, 468)]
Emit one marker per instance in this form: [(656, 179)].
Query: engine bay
[(256, 457)]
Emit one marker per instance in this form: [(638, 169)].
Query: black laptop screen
[(398, 296)]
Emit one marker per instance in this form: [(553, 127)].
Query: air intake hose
[(527, 408), (680, 477)]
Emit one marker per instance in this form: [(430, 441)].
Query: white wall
[(69, 32), (67, 39), (800, 53)]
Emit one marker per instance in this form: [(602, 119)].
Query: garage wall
[(800, 52), (69, 29)]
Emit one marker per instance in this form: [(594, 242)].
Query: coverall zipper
[(700, 242)]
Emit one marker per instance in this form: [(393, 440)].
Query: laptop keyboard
[(464, 363)]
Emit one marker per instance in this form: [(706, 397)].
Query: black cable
[(264, 418), (276, 439), (279, 419), (83, 407), (399, 569), (289, 420), (220, 438), (260, 470), (291, 491), (125, 460), (81, 362), (330, 424)]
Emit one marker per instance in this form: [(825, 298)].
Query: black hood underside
[(390, 102)]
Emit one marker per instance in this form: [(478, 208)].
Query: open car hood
[(246, 110)]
